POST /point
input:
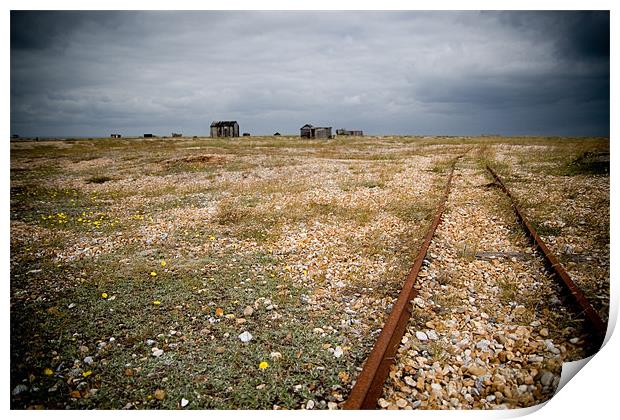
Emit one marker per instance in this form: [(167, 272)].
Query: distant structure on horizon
[(177, 135), (308, 131), (115, 136), (148, 136), (224, 129), (343, 132)]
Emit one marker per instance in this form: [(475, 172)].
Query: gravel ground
[(485, 332), (572, 217), (134, 263)]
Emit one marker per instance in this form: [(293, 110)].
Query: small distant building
[(224, 129), (343, 132), (276, 134), (148, 136), (308, 131), (177, 135), (246, 134), (115, 136)]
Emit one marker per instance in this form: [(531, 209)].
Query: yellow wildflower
[(48, 372), (156, 302), (87, 373), (162, 263), (153, 273), (263, 365), (104, 295)]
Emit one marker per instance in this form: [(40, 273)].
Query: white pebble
[(245, 336)]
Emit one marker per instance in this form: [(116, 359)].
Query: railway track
[(404, 350)]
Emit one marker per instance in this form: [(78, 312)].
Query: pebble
[(546, 378), (432, 335), (19, 389), (483, 344), (88, 360), (401, 402), (476, 370), (543, 332), (275, 355), (332, 405), (421, 335), (338, 352), (184, 402), (410, 381), (248, 311), (157, 352), (310, 405), (551, 347), (245, 336)]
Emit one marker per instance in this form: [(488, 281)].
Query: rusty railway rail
[(598, 325), (369, 384)]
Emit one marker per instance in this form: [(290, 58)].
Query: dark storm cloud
[(92, 73), (582, 35)]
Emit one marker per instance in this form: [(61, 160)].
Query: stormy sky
[(456, 73)]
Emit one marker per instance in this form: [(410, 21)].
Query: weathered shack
[(246, 134), (177, 135), (115, 136), (310, 132), (306, 131), (224, 129), (148, 136), (343, 132), (322, 132)]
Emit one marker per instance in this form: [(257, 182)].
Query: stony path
[(487, 332)]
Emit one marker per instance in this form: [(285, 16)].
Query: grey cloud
[(92, 73)]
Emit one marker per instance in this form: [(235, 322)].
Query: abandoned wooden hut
[(115, 136), (148, 136), (343, 132), (310, 132), (306, 131), (224, 129), (177, 135), (246, 134)]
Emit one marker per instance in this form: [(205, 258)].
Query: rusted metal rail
[(598, 325), (369, 384)]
